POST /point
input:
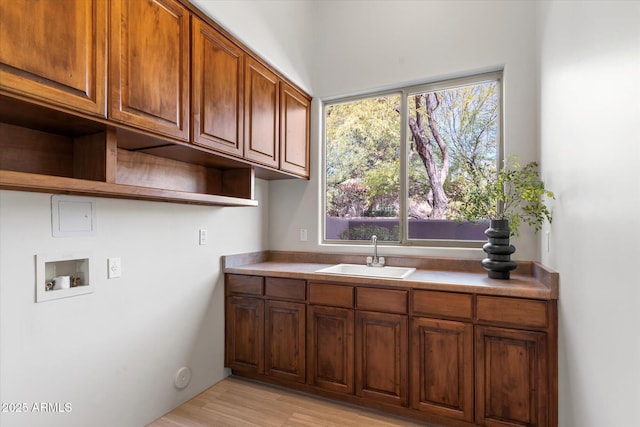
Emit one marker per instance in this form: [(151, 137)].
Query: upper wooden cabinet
[(217, 90), (261, 139), (55, 51), (243, 108), (295, 110), (149, 66), (276, 121), (125, 74)]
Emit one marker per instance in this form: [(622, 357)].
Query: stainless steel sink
[(363, 270)]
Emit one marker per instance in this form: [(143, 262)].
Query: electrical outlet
[(548, 241), (303, 234), (202, 236), (114, 268)]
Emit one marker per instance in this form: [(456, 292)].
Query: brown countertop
[(529, 280)]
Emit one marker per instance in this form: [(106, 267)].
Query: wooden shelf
[(94, 164), (21, 181)]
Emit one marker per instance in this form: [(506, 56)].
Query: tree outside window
[(410, 192)]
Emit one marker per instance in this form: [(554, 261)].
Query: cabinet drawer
[(293, 289), (384, 300), (246, 285), (334, 295), (442, 304), (512, 311)]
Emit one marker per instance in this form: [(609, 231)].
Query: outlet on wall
[(548, 241), (114, 268), (203, 237)]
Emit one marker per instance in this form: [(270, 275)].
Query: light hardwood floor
[(234, 402)]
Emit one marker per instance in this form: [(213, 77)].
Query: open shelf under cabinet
[(119, 163)]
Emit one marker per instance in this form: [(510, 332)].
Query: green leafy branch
[(515, 193)]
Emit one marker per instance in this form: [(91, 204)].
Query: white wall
[(346, 47), (590, 110), (561, 61), (278, 30), (113, 354), (359, 48), (116, 361)]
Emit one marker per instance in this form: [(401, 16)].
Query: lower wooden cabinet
[(284, 337), (442, 367), (511, 377), (244, 329), (264, 336), (447, 358), (330, 348), (381, 357)]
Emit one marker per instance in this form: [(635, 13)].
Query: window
[(398, 164)]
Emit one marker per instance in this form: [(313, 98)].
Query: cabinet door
[(245, 334), (217, 90), (55, 51), (149, 66), (261, 114), (382, 357), (294, 131), (442, 367), (285, 340), (511, 377), (330, 348)]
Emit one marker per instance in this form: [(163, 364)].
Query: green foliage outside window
[(364, 232), (451, 149)]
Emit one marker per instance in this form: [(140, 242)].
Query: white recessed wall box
[(63, 275), (73, 216)]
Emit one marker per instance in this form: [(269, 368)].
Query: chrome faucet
[(375, 261)]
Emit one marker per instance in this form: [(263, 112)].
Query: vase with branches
[(515, 195)]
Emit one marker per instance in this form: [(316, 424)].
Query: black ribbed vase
[(498, 249)]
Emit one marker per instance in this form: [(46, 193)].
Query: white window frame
[(405, 92)]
